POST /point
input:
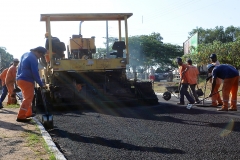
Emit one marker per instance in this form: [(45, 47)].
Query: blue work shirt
[(28, 69), (224, 71)]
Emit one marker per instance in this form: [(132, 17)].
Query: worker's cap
[(15, 60), (39, 49), (209, 66), (189, 61), (179, 59), (213, 56)]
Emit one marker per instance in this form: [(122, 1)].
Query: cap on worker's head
[(209, 66), (189, 61), (39, 49), (179, 59), (15, 60), (213, 56)]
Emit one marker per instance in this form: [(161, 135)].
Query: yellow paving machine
[(77, 78)]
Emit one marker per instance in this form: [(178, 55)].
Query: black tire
[(166, 96)]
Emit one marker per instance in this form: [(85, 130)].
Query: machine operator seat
[(119, 46), (58, 47)]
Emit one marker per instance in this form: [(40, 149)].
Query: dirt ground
[(15, 138)]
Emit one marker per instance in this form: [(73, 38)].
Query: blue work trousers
[(4, 93), (184, 92)]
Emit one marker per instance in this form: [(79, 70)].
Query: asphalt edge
[(58, 155)]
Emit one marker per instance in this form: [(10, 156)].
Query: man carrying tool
[(216, 98), (27, 74), (10, 82), (4, 87), (230, 76), (193, 79), (184, 76)]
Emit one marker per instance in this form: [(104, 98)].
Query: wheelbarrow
[(171, 90)]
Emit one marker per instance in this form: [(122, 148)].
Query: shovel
[(47, 119), (189, 106)]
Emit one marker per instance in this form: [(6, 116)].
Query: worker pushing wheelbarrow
[(188, 79)]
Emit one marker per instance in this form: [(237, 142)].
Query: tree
[(6, 58), (205, 36), (149, 50), (228, 53)]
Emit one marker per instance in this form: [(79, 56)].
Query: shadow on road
[(112, 143)]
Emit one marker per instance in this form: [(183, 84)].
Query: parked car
[(164, 75)]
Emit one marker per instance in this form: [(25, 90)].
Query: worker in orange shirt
[(193, 78), (4, 87), (183, 71), (10, 82)]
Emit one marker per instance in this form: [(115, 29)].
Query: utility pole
[(107, 54)]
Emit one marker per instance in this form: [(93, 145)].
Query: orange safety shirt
[(11, 75), (184, 77), (193, 74), (3, 76)]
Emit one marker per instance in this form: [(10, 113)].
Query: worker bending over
[(27, 74), (10, 82), (216, 98), (230, 76)]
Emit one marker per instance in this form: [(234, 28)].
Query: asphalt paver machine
[(78, 78)]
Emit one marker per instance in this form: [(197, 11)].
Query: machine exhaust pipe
[(80, 27)]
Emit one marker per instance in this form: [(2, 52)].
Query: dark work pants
[(4, 93), (193, 86), (184, 92)]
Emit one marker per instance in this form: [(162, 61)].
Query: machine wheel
[(166, 96)]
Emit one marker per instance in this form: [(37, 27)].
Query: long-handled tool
[(189, 106), (47, 119)]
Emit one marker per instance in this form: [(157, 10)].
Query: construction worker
[(27, 74), (193, 79), (10, 82), (230, 76), (184, 76), (4, 87), (216, 98)]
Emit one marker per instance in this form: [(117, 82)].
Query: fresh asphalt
[(163, 131)]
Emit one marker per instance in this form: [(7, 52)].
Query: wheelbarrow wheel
[(166, 96)]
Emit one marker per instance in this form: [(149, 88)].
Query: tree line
[(5, 57), (223, 42)]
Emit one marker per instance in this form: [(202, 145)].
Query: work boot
[(23, 120), (222, 109), (33, 115), (198, 102), (232, 109), (180, 103)]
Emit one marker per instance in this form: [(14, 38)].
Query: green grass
[(12, 106), (35, 140)]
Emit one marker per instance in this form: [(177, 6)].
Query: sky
[(21, 29)]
